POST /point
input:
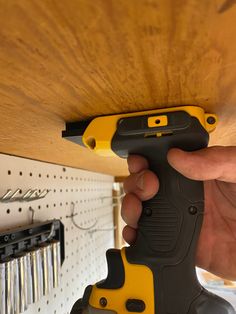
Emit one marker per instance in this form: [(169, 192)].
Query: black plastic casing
[(171, 221), (15, 241)]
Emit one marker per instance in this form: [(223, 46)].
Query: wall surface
[(91, 194)]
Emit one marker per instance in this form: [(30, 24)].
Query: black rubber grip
[(168, 220)]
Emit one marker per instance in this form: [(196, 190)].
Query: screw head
[(211, 120), (30, 231), (148, 211), (192, 210), (103, 302), (13, 236), (6, 238)]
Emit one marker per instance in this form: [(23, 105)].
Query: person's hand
[(216, 166)]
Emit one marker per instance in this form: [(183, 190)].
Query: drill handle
[(171, 221), (170, 224)]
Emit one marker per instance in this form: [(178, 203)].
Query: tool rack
[(82, 201)]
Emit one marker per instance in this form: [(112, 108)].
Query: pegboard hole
[(8, 211), (9, 172)]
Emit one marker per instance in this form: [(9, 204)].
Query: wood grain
[(70, 60)]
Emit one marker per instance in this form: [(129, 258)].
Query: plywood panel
[(69, 60)]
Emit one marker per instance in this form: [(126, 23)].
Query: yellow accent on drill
[(139, 284), (153, 122), (99, 133)]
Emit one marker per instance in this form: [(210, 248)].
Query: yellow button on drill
[(156, 121)]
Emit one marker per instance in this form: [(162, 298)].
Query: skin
[(216, 166)]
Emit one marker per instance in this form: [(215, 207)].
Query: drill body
[(156, 274)]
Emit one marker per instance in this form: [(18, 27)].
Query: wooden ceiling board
[(70, 60)]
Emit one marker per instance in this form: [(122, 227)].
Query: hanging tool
[(156, 274)]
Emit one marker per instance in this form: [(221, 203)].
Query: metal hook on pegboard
[(30, 195), (102, 229), (52, 226), (91, 228), (119, 197), (118, 194), (73, 214), (33, 214)]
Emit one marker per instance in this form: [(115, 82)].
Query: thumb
[(217, 162)]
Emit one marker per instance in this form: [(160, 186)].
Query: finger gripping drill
[(156, 274)]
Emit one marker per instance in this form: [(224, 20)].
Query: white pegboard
[(85, 250)]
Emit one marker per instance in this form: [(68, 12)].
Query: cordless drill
[(156, 274)]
